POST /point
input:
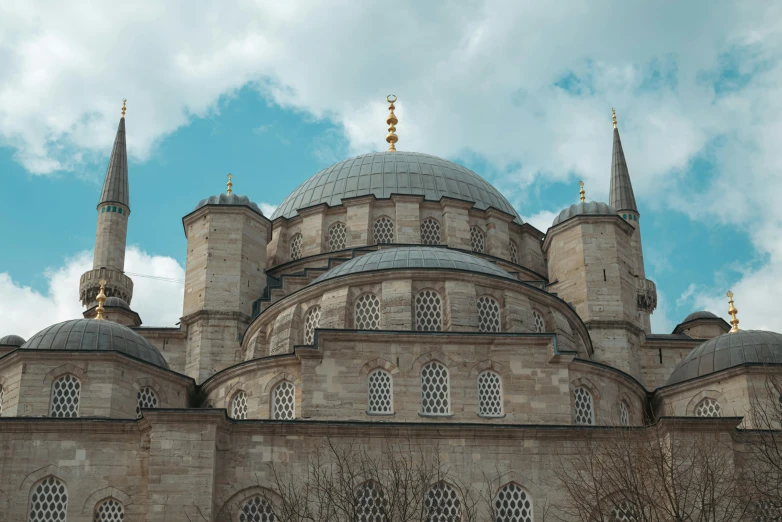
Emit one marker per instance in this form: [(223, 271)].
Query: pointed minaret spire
[(621, 194), (115, 185)]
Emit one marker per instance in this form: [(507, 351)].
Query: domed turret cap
[(11, 340), (703, 314), (590, 208), (116, 301), (229, 199)]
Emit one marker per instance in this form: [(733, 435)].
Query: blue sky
[(273, 94)]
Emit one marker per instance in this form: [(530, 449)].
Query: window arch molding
[(584, 382), (515, 498), (488, 364), (40, 474), (235, 502), (148, 382), (105, 493), (700, 396), (231, 393), (436, 356), (56, 373), (376, 364), (278, 378)]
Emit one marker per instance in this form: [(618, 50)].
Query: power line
[(157, 278)]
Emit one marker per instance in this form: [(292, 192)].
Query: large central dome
[(384, 173)]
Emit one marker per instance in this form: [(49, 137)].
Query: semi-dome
[(425, 258), (95, 335), (584, 208), (384, 173), (228, 199), (116, 301), (11, 340), (703, 314), (728, 350)]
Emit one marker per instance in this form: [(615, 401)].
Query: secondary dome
[(425, 258), (590, 208), (228, 199), (11, 340), (116, 301), (703, 314), (728, 350), (93, 334), (384, 173)]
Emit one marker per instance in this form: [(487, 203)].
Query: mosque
[(392, 296)]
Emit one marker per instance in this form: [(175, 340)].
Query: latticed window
[(489, 395), (435, 389), (708, 407), (513, 504), (371, 503), (380, 390), (514, 253), (623, 512), (296, 247), (624, 414), (766, 511), (428, 311), (257, 509), (430, 232), (477, 241), (540, 325), (383, 230), (488, 314), (368, 312), (585, 406), (2, 395), (110, 510), (443, 504), (49, 501), (337, 236), (145, 398), (65, 397), (311, 321), (239, 406), (284, 401)]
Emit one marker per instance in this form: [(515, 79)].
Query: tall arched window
[(512, 504), (443, 504), (48, 501), (284, 401), (296, 247), (311, 322), (477, 242), (624, 512), (371, 503), (145, 398), (380, 391), (514, 252), (489, 394), (435, 390), (367, 312), (65, 397), (430, 232), (337, 236), (110, 510), (239, 405), (383, 230), (624, 414), (540, 324), (257, 509), (488, 314), (428, 311), (584, 405), (708, 407), (2, 396)]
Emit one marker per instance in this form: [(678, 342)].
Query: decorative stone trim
[(102, 494), (235, 502), (704, 394), (426, 358), (378, 363), (55, 373), (488, 364), (277, 379), (40, 474), (148, 382)]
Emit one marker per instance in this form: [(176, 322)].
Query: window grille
[(368, 312), (2, 395), (428, 311), (513, 504), (476, 239), (49, 501), (239, 406), (443, 504), (383, 231), (430, 232), (585, 409), (337, 236), (489, 395), (311, 321), (110, 510), (284, 401), (257, 509), (540, 325), (65, 397), (435, 390), (380, 390), (708, 407), (624, 414), (766, 511), (145, 398), (488, 314), (514, 253), (296, 245), (624, 512), (371, 503)]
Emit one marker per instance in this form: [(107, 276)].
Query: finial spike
[(124, 101), (732, 310), (391, 137), (581, 192), (101, 298), (230, 184), (613, 116)]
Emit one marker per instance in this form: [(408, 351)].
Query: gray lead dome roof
[(94, 334), (11, 340), (590, 208), (703, 314), (228, 199), (384, 173)]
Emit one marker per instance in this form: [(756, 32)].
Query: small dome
[(703, 314), (424, 258), (228, 199), (11, 340), (95, 335), (728, 350), (116, 301), (589, 208)]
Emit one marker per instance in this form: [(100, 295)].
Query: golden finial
[(613, 116), (230, 184), (581, 192), (733, 311), (124, 101), (101, 298), (391, 138)]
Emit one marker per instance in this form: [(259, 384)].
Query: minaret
[(113, 211)]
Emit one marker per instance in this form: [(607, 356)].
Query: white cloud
[(542, 220), (267, 209)]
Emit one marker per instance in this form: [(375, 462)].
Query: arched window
[(311, 321), (337, 236), (48, 501), (239, 405), (489, 394), (380, 391), (435, 390), (430, 232), (2, 395), (477, 242), (368, 312), (383, 230), (110, 510), (145, 398), (428, 311), (371, 503), (512, 504), (65, 397), (488, 314), (624, 414), (296, 247), (540, 325), (708, 407), (623, 512), (585, 406), (284, 401), (257, 509), (514, 253), (443, 504)]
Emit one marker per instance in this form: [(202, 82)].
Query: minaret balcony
[(646, 293), (117, 285)]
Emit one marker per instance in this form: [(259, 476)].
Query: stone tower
[(110, 236)]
